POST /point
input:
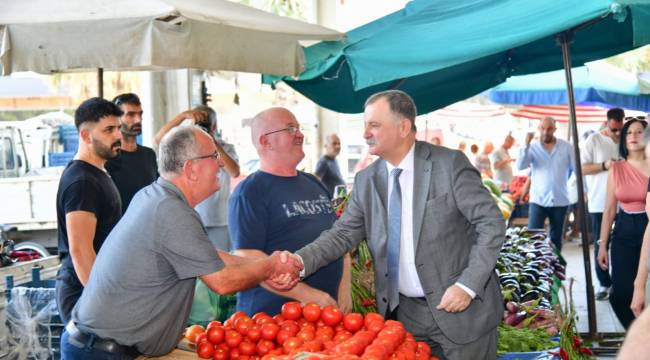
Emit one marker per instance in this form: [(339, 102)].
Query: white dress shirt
[(409, 281)]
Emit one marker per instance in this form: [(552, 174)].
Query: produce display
[(528, 267), (308, 332), (504, 200), (514, 340)]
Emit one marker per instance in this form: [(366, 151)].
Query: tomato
[(306, 335), (278, 319), (314, 345), (375, 326), (242, 325), (331, 315), (216, 334), (254, 333), (282, 336), (264, 347), (205, 350), (234, 353), (308, 327), (291, 344), (372, 317), (342, 336), (353, 322), (290, 326), (394, 323), (221, 354), (246, 348), (325, 333), (311, 312), (233, 338), (192, 331), (202, 337), (291, 310), (212, 324), (423, 348), (270, 331)]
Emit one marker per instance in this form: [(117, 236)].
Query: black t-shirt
[(85, 187), (131, 171), (327, 169)]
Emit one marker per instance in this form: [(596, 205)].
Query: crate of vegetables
[(308, 332)]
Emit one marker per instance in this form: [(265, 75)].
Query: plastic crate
[(60, 159), (70, 145), (68, 132), (43, 303)]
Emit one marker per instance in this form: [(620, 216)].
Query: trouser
[(76, 345), (68, 291), (555, 214), (603, 275), (416, 316), (624, 259)]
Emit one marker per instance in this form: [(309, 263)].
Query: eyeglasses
[(215, 156), (290, 129)]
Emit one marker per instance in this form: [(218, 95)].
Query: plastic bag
[(32, 326), (208, 305)]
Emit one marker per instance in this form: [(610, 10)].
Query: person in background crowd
[(327, 168), (503, 162), (482, 161), (641, 295), (135, 166), (213, 210), (627, 188), (461, 146), (551, 161), (436, 141), (281, 208), (434, 232), (473, 153), (139, 294), (598, 152), (87, 202)]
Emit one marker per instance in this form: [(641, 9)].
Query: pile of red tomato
[(325, 333)]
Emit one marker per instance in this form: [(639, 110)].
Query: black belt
[(81, 339)]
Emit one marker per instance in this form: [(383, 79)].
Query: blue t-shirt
[(268, 213)]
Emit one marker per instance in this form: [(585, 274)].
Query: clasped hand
[(285, 270)]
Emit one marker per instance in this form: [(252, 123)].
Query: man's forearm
[(590, 169), (82, 261)]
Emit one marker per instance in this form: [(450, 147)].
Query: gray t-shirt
[(504, 174), (141, 286)]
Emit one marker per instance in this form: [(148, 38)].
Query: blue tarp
[(598, 84)]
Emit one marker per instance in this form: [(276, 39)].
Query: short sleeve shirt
[(269, 213), (597, 149), (504, 174), (141, 288), (327, 169), (214, 209), (131, 171)]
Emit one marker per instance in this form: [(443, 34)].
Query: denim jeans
[(71, 352), (537, 215)]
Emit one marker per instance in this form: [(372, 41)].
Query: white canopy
[(80, 35)]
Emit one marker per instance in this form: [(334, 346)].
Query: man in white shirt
[(502, 162), (598, 152), (433, 230)]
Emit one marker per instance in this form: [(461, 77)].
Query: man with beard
[(135, 167), (551, 162), (327, 169), (87, 202), (281, 208)]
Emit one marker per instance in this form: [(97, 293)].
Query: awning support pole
[(564, 40)]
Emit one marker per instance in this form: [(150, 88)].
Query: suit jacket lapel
[(421, 183), (380, 180)]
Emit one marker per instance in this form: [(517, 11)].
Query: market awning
[(584, 114), (441, 52), (52, 36), (597, 83)]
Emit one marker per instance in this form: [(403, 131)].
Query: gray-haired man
[(140, 291)]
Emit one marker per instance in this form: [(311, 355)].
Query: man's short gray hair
[(400, 103), (176, 147)]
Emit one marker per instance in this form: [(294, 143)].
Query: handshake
[(284, 270)]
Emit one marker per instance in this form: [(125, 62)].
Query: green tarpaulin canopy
[(441, 52)]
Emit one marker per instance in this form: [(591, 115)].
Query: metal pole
[(564, 39), (100, 82)]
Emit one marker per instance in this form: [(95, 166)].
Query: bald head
[(269, 120), (547, 130), (332, 145)]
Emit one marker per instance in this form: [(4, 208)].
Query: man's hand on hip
[(455, 299)]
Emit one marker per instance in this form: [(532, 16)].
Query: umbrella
[(561, 113), (596, 83), (440, 52), (48, 36)]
